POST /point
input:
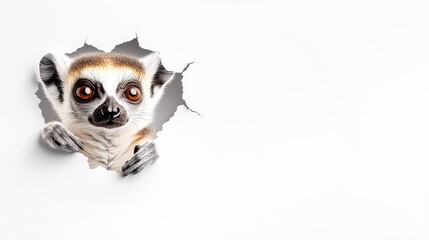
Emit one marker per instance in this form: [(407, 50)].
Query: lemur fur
[(106, 104)]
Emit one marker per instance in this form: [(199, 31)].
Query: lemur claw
[(58, 137), (144, 155)]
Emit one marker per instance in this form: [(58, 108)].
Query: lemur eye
[(133, 93), (84, 92)]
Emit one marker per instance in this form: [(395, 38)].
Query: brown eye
[(133, 93), (84, 92)]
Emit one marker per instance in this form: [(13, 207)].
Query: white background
[(315, 122)]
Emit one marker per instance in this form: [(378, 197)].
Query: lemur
[(106, 103)]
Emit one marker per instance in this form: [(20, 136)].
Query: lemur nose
[(109, 114), (113, 111)]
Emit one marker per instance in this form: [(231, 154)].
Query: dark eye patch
[(83, 86), (130, 90), (126, 83)]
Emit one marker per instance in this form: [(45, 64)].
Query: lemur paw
[(144, 155), (58, 137)]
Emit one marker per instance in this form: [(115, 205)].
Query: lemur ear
[(156, 72), (53, 70)]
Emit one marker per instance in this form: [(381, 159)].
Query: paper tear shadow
[(48, 112), (167, 106)]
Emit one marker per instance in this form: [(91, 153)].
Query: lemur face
[(104, 90), (108, 97)]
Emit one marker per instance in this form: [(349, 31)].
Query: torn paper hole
[(108, 106)]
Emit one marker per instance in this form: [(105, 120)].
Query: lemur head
[(104, 90)]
